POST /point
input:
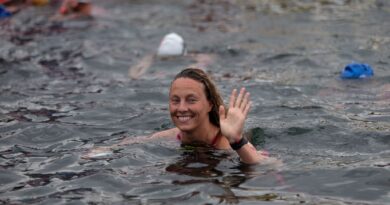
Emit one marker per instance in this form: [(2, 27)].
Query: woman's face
[(188, 104)]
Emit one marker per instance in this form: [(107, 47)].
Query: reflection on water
[(64, 89)]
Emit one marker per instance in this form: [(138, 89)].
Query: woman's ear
[(210, 106)]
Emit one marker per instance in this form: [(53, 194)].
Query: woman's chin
[(185, 128)]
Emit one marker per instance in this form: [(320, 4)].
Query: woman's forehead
[(186, 85)]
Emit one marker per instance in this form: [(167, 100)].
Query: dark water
[(64, 88)]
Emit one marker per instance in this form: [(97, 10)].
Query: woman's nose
[(182, 106)]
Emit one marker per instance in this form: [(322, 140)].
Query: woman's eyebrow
[(192, 95)]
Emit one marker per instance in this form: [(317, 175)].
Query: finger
[(232, 98), (222, 112), (239, 98), (246, 111), (245, 101)]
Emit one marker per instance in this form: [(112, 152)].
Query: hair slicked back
[(210, 90)]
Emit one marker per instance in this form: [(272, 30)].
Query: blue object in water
[(3, 12), (357, 70)]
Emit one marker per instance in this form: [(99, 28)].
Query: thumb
[(222, 113)]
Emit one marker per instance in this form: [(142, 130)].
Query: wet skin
[(188, 105)]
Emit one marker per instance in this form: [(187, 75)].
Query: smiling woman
[(199, 115)]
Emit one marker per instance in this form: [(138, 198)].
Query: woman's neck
[(205, 134)]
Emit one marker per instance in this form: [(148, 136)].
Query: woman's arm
[(232, 124), (166, 133), (107, 150), (249, 155)]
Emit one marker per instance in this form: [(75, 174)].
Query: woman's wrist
[(240, 142), (234, 139)]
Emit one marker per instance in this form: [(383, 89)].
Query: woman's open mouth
[(183, 119)]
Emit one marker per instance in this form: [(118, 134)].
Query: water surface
[(64, 89)]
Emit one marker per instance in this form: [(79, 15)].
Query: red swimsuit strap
[(178, 136)]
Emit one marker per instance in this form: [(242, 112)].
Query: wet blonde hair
[(210, 90)]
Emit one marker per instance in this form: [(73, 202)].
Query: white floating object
[(171, 45)]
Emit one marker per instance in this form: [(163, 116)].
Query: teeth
[(184, 118)]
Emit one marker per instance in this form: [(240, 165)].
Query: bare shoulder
[(166, 133), (107, 150), (170, 133)]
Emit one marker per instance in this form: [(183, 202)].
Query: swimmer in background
[(171, 46), (199, 115), (14, 6), (79, 8), (70, 8)]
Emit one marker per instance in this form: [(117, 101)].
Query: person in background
[(71, 9), (78, 7), (13, 6)]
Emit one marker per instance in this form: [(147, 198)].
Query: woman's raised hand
[(232, 121)]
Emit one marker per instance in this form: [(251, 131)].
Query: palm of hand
[(232, 122), (232, 125)]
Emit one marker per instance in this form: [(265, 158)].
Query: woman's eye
[(175, 101), (191, 100)]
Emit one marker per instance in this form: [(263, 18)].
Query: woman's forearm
[(249, 155)]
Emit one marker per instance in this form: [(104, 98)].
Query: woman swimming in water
[(199, 115)]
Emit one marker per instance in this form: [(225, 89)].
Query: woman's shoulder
[(173, 132)]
